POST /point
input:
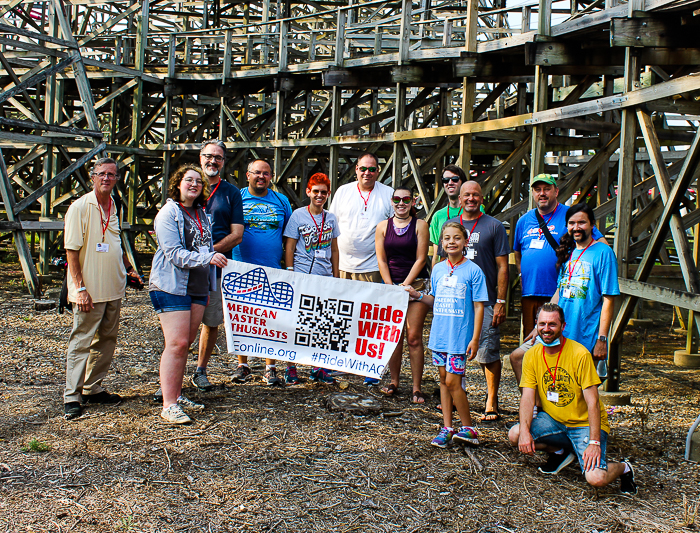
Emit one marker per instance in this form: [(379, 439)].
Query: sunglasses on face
[(398, 199), (367, 169), (453, 179), (315, 192)]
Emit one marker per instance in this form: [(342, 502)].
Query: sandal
[(418, 397), (391, 390), (490, 416)]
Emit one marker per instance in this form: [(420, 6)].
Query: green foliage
[(36, 446)]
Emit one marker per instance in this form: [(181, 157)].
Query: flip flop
[(390, 390), (418, 397), (490, 416)]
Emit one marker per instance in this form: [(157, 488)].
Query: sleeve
[(73, 232), (502, 247), (434, 229), (334, 222), (609, 286), (587, 375), (518, 235), (333, 209), (236, 207), (287, 210), (168, 235), (291, 230), (480, 292), (528, 378), (434, 278), (595, 232)]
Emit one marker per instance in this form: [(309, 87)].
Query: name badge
[(566, 293), (449, 281), (203, 249), (552, 396), (320, 254), (102, 247), (470, 254), (536, 244)]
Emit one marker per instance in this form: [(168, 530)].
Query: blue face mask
[(555, 342)]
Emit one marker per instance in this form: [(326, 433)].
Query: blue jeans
[(545, 430), (164, 302)]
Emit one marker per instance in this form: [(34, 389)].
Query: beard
[(580, 235), (210, 172)]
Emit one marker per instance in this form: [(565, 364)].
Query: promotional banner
[(338, 324)]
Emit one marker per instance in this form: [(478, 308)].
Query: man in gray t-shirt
[(488, 248)]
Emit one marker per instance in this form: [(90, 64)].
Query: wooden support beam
[(39, 77), (654, 293)]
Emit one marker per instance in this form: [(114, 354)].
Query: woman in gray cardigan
[(180, 281)]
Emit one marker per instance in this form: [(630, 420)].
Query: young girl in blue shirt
[(458, 290)]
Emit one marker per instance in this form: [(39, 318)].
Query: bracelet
[(594, 442), (82, 289), (421, 297), (499, 301), (290, 268)]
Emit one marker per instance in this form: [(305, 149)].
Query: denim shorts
[(546, 430), (164, 302), (454, 363)]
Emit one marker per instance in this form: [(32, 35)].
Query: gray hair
[(104, 161), (216, 142)]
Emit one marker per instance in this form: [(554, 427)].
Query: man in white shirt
[(359, 207)]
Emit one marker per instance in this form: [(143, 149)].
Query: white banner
[(338, 324)]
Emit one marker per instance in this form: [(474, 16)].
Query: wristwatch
[(603, 338), (499, 301)]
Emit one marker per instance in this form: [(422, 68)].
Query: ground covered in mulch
[(258, 459)]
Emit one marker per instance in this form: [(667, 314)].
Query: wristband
[(82, 289), (499, 301), (290, 268), (421, 297), (594, 442)]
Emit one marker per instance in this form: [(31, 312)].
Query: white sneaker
[(175, 415), (191, 404)]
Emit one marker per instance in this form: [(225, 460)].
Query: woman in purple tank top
[(402, 252)]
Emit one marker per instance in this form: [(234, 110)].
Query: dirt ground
[(267, 460)]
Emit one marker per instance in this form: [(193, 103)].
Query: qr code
[(323, 324)]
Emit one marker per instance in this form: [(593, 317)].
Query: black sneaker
[(627, 484), (556, 462), (200, 380), (241, 374), (272, 379), (158, 396), (102, 397), (72, 410)]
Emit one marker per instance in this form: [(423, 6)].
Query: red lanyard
[(319, 231), (459, 212), (196, 221), (556, 366), (104, 224), (212, 192), (571, 268), (452, 267), (363, 198), (550, 219), (469, 237)]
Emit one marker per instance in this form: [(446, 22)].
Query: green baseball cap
[(546, 178)]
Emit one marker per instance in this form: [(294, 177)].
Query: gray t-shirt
[(488, 241), (310, 250)]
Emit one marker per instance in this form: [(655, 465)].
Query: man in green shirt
[(452, 179)]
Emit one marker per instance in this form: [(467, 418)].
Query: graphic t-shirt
[(487, 241), (198, 280), (358, 226), (574, 373), (264, 220), (224, 207), (583, 281), (310, 250), (538, 259), (453, 310)]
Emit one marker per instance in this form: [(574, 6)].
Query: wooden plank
[(652, 31), (647, 291), (4, 28), (49, 127), (39, 77)]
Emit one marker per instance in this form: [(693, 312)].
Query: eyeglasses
[(453, 179), (257, 173), (368, 169), (398, 199), (107, 175), (319, 193), (198, 183), (210, 157)]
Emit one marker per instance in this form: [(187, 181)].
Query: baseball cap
[(546, 178)]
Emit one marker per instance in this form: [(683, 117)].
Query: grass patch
[(36, 446)]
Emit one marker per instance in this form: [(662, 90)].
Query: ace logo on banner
[(338, 324)]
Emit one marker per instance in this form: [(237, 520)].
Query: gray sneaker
[(184, 401), (175, 415), (272, 379), (199, 380)]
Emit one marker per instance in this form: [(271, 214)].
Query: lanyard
[(104, 224), (469, 237), (547, 222), (319, 231), (452, 267), (556, 366), (459, 212), (212, 192), (196, 221), (363, 198), (571, 268)]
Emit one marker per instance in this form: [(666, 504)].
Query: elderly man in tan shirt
[(97, 270)]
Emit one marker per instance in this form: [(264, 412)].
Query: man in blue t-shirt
[(265, 215), (535, 257), (225, 211)]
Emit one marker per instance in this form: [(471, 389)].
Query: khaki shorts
[(214, 313), (422, 285), (372, 277)]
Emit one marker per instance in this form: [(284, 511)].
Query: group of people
[(369, 233)]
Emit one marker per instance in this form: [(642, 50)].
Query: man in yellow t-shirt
[(572, 422)]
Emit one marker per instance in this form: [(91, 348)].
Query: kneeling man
[(572, 423)]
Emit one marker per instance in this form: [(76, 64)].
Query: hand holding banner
[(338, 324)]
